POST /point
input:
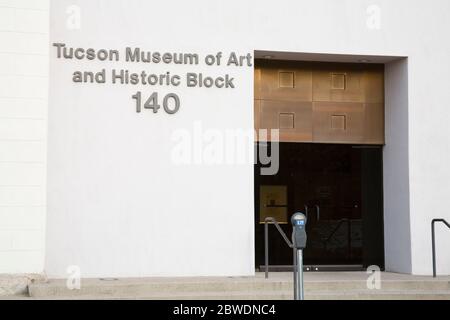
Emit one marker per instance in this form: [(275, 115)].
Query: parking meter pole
[(300, 291), (294, 255), (298, 221)]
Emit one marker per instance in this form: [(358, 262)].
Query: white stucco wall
[(118, 206), (113, 194), (24, 36), (397, 224)]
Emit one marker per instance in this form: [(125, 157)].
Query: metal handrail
[(267, 221), (433, 245)]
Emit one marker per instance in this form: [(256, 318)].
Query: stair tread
[(274, 292), (265, 295)]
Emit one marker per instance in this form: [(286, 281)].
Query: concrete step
[(139, 287), (269, 295), (323, 286)]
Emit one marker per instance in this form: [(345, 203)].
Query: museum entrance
[(327, 119), (339, 187)]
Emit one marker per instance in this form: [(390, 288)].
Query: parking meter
[(298, 221), (299, 237)]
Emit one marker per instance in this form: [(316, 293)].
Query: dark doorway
[(340, 188)]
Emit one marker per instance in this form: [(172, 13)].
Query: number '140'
[(170, 102)]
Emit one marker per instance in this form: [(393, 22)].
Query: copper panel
[(278, 114), (374, 123), (257, 112), (287, 84), (338, 81), (321, 102), (324, 88), (286, 120), (338, 122), (286, 79), (257, 83), (373, 86)]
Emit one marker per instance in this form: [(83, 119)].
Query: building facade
[(115, 118)]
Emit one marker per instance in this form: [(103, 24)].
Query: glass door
[(339, 188)]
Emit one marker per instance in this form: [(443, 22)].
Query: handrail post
[(433, 241), (433, 247), (266, 249)]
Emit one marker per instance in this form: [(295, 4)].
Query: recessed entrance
[(340, 188), (330, 118)]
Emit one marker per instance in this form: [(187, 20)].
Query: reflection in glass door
[(339, 187)]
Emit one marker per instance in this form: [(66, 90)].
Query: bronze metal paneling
[(293, 119), (286, 79), (338, 122), (325, 86), (286, 84), (257, 113), (338, 81), (257, 83), (286, 120), (373, 86), (321, 102), (374, 123)]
